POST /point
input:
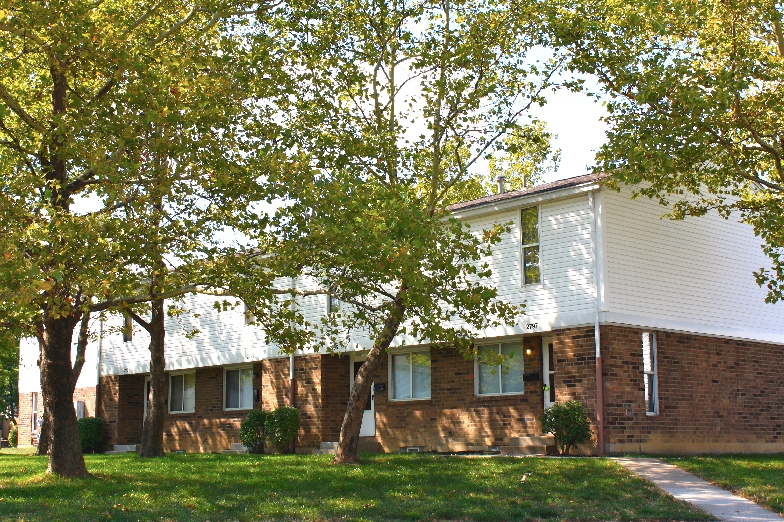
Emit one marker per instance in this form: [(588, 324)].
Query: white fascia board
[(522, 201), (671, 325)]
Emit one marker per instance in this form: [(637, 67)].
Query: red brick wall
[(25, 410), (454, 418), (715, 395), (26, 405)]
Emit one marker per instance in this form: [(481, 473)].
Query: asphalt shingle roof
[(528, 191)]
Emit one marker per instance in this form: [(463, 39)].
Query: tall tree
[(9, 374), (79, 84), (399, 102), (695, 101)]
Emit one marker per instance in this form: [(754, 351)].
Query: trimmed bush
[(568, 421), (13, 436), (91, 433), (282, 427), (253, 430)]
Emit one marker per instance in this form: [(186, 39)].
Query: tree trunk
[(44, 435), (57, 382), (152, 433), (348, 445)]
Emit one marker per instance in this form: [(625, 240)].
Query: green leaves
[(694, 96)]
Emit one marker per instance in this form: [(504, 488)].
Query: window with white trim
[(34, 413), (410, 375), (248, 315), (182, 393), (529, 236), (500, 379), (650, 373), (333, 304), (238, 388), (127, 329)]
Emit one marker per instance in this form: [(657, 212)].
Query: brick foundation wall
[(275, 393), (25, 411), (715, 395), (454, 418), (26, 407)]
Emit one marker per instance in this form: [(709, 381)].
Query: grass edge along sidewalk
[(303, 487), (759, 478)]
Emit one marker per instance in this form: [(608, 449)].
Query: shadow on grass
[(385, 487)]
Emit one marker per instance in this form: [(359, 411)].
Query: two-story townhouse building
[(658, 326)]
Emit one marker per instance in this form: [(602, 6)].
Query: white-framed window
[(650, 373), (79, 408), (34, 414), (127, 330), (500, 379), (529, 238), (238, 388), (333, 304), (409, 373), (147, 396), (182, 392), (248, 315)]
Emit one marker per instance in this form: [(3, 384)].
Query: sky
[(576, 120)]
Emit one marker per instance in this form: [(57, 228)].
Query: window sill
[(237, 409), (482, 395), (651, 413), (408, 401), (182, 412)]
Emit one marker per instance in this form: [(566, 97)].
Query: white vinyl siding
[(410, 375), (238, 388), (182, 393), (692, 275), (500, 379)]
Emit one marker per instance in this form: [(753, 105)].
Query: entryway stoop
[(537, 445), (122, 448), (236, 449), (365, 446)]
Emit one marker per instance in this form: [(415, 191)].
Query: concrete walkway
[(685, 486)]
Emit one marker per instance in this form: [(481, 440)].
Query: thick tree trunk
[(348, 445), (44, 435), (58, 381), (152, 433)]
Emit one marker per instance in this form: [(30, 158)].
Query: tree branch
[(19, 111), (81, 346), (144, 324)]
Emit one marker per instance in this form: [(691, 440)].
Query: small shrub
[(91, 433), (253, 430), (13, 436), (569, 423), (282, 427)]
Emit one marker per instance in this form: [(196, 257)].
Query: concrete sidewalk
[(685, 486)]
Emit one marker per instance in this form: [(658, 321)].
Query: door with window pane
[(368, 428)]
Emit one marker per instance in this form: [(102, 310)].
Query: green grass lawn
[(759, 478), (288, 487)]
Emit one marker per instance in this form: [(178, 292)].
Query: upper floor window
[(333, 304), (182, 393), (650, 373), (238, 388), (529, 230), (410, 375), (127, 328), (500, 379)]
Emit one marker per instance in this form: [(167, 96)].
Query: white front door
[(368, 428)]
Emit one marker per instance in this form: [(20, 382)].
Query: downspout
[(292, 379), (598, 278)]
